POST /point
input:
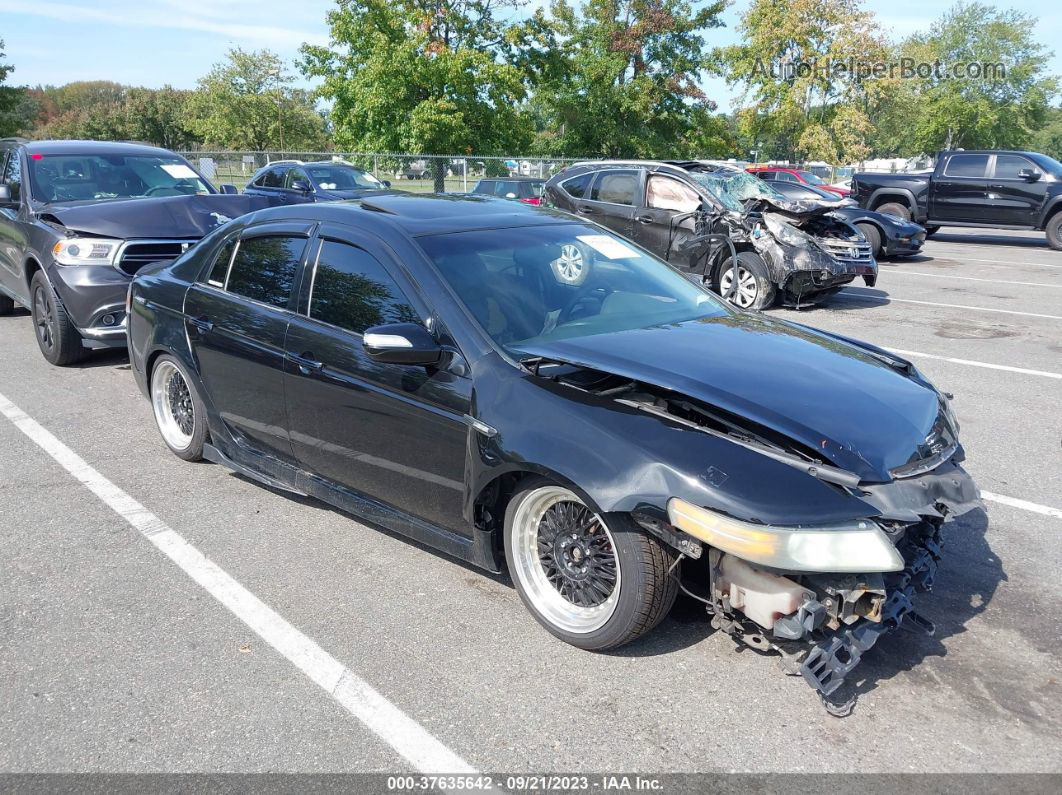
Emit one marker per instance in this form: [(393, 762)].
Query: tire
[(58, 339), (895, 209), (179, 411), (755, 288), (1053, 230), (7, 305), (931, 230), (873, 236), (632, 592)]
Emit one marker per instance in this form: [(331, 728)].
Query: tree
[(159, 116), (997, 109), (420, 76), (247, 102), (11, 99), (619, 78), (805, 96), (1049, 138)]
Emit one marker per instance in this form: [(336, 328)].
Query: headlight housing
[(786, 233), (857, 547), (86, 251)]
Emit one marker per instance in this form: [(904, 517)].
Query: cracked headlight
[(858, 547), (86, 251), (786, 233)]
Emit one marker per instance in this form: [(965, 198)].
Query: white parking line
[(970, 278), (890, 299), (1025, 505), (388, 722), (1008, 368)]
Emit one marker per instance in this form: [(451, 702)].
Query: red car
[(780, 174)]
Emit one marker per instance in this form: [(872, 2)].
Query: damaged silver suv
[(702, 218)]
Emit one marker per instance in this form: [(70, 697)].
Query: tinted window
[(292, 176), (1008, 166), (13, 175), (576, 186), (615, 187), (966, 166), (352, 290), (264, 268), (219, 269), (274, 178)]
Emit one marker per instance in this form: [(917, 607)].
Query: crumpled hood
[(860, 413), (795, 208), (160, 217)]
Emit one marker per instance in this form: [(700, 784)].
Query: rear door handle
[(202, 323), (586, 210), (307, 363), (644, 219)]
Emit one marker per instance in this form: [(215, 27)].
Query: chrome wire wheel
[(173, 406), (565, 559), (44, 318), (747, 287)]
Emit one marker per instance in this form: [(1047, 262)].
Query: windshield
[(536, 284), (340, 177), (734, 187), (69, 178)]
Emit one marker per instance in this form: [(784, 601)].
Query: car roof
[(95, 148), (420, 214)]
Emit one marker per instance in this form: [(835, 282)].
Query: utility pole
[(280, 114)]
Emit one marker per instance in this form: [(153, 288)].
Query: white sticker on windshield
[(179, 171), (610, 247)]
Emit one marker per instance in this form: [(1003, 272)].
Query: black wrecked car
[(686, 212), (296, 182), (520, 389), (888, 235), (79, 218)]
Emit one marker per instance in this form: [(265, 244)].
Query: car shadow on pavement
[(871, 299), (969, 574), (117, 358), (1037, 240)]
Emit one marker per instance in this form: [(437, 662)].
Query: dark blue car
[(296, 182)]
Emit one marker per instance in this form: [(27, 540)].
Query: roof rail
[(286, 162), (15, 139)]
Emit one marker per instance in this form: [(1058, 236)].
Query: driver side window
[(13, 176), (665, 193)]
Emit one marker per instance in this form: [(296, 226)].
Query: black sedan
[(522, 389), (888, 235)]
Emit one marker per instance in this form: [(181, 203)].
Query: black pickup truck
[(995, 189)]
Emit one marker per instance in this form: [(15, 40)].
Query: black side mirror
[(401, 343), (387, 183), (1030, 174), (302, 185), (229, 190)]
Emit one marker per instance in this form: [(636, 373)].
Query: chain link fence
[(412, 172)]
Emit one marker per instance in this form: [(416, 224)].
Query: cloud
[(231, 19)]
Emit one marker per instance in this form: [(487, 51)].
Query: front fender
[(882, 195), (1051, 206)]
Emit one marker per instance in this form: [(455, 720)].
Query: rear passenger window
[(353, 291), (966, 166), (576, 186), (615, 187), (274, 178), (264, 268), (220, 267)]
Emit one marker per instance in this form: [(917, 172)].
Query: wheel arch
[(902, 195), (1050, 211)]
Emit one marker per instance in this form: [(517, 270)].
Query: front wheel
[(873, 236), (754, 289), (1053, 228), (178, 409), (595, 583), (896, 210), (57, 337)]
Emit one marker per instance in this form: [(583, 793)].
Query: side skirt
[(284, 477)]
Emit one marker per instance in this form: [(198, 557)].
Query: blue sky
[(155, 42)]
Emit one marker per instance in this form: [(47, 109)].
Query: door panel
[(1014, 199), (666, 199), (394, 432), (237, 332), (960, 193), (612, 200)]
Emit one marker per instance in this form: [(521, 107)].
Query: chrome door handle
[(202, 323), (306, 362), (644, 219)]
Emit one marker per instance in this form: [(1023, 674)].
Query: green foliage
[(1049, 138), (1003, 113), (619, 78), (11, 99), (418, 76), (816, 114), (246, 102)]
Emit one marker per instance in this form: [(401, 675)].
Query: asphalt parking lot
[(114, 659)]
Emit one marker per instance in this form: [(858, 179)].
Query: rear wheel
[(895, 209), (595, 583), (873, 236), (754, 289), (179, 411), (57, 337), (1053, 228)]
